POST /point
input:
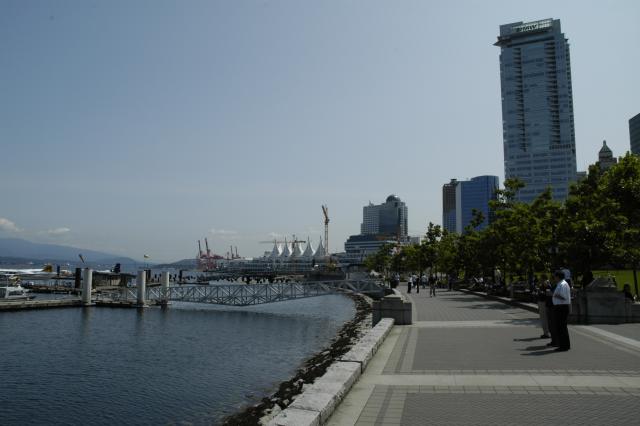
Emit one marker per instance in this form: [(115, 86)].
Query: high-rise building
[(537, 107), (449, 205), (634, 134), (389, 218), (382, 224), (461, 198)]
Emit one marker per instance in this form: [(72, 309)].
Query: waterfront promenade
[(467, 360)]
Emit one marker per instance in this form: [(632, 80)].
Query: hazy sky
[(141, 126)]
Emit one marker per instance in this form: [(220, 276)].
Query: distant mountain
[(189, 264), (18, 248)]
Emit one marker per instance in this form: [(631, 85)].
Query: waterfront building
[(358, 247), (461, 198), (605, 157), (537, 107), (634, 134), (449, 205)]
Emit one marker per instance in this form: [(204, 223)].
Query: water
[(188, 364)]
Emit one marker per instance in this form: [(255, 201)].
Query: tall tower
[(537, 107), (634, 134), (449, 205)]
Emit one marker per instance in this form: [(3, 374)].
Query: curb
[(523, 305), (314, 406)]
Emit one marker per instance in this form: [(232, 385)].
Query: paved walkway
[(470, 361)]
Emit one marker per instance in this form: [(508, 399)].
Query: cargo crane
[(207, 261), (325, 212)]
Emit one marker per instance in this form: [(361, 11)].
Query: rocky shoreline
[(313, 368)]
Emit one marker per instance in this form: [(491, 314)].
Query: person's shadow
[(534, 350), (538, 350)]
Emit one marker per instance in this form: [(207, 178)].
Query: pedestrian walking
[(409, 283), (416, 282), (432, 287), (561, 307)]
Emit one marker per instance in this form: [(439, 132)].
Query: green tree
[(620, 188), (582, 228)]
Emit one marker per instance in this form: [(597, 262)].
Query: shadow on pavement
[(538, 350), (528, 339)]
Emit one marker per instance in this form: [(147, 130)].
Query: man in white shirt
[(561, 305)]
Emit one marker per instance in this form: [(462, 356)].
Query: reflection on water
[(188, 363)]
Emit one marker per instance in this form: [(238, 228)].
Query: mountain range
[(23, 249)]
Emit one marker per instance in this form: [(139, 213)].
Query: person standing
[(561, 307), (416, 282), (409, 283), (543, 286)]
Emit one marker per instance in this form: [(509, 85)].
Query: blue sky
[(141, 126)]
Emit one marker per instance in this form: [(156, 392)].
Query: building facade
[(461, 198), (634, 134), (385, 223), (605, 157), (389, 218), (537, 107), (449, 205)]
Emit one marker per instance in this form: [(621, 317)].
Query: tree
[(381, 260), (581, 236), (620, 190)]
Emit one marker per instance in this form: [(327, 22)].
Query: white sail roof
[(308, 252), (286, 252), (320, 251), (297, 250), (276, 252)]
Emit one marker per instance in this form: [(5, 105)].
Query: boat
[(11, 289)]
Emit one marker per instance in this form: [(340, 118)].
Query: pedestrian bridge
[(246, 294)]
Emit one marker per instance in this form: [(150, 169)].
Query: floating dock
[(17, 305)]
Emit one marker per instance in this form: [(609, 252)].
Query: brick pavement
[(469, 361)]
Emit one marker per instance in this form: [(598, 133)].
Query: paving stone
[(525, 409)]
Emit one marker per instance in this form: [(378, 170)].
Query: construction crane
[(325, 212)]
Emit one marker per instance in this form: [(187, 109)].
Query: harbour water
[(188, 364)]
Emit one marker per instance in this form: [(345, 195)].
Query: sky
[(139, 127)]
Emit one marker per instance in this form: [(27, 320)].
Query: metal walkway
[(249, 294)]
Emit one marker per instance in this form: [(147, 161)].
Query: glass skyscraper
[(634, 134), (461, 198), (537, 107)]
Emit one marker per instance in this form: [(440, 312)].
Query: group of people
[(414, 281), (554, 306)]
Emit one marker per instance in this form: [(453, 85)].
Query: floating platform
[(17, 305)]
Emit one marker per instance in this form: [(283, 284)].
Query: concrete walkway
[(472, 361)]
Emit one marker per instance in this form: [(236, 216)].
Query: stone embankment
[(329, 374)]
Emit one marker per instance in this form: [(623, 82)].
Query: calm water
[(185, 364)]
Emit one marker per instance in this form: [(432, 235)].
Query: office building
[(389, 218), (382, 224), (461, 198), (449, 205), (537, 107), (634, 134)]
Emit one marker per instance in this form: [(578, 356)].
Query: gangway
[(249, 294)]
